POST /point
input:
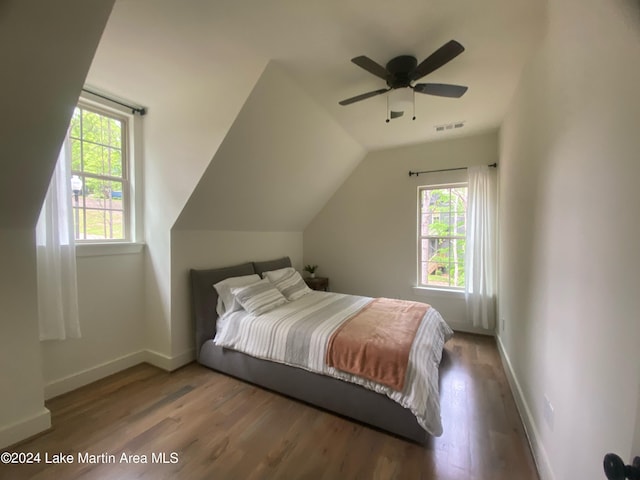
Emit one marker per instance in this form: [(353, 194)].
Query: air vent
[(449, 126)]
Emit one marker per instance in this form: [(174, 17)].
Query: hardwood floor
[(215, 427)]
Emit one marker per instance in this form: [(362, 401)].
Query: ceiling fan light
[(400, 99)]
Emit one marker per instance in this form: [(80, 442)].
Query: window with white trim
[(442, 235), (100, 170)]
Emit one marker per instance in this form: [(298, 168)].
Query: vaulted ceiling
[(314, 42)]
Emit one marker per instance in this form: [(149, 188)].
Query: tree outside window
[(442, 236), (99, 180)]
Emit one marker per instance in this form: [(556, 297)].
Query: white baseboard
[(167, 363), (470, 329), (90, 375), (41, 421), (25, 428), (533, 436)]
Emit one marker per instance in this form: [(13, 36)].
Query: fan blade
[(371, 66), (440, 89), (443, 55), (363, 96), (396, 114)]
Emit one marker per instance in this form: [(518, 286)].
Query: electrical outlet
[(548, 413)]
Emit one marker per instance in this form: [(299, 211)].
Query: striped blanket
[(298, 332)]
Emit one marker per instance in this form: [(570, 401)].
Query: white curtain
[(56, 257), (481, 247)]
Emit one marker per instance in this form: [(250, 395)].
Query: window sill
[(442, 292), (103, 249)]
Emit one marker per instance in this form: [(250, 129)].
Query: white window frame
[(134, 227), (420, 237)]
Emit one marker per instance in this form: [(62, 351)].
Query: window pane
[(74, 129), (458, 249), (96, 148), (94, 159), (438, 224), (440, 200), (438, 274), (443, 216), (91, 126), (457, 275), (103, 194), (104, 224), (460, 193), (101, 160), (115, 162), (78, 222), (104, 214), (115, 202), (458, 225), (76, 155), (95, 224), (114, 132), (439, 250), (424, 224)]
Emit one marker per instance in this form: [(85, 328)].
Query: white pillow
[(292, 286), (226, 300), (275, 275), (259, 297)]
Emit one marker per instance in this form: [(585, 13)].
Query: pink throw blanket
[(375, 343)]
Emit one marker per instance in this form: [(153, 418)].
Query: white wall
[(213, 249), (111, 304), (22, 411), (282, 159), (364, 239), (46, 48), (569, 255), (111, 296), (191, 102)]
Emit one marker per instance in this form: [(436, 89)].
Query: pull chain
[(387, 120), (414, 104)]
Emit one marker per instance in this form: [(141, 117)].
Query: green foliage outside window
[(97, 159), (442, 236)]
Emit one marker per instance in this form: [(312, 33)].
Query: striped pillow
[(292, 286), (226, 300), (274, 275), (259, 297)]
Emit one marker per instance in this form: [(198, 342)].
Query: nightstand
[(318, 283)]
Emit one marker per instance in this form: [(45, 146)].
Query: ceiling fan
[(402, 71)]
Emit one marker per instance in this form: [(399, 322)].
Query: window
[(441, 235), (100, 175)]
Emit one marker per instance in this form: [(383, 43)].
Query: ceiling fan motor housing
[(400, 70)]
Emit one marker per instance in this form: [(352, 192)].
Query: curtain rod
[(139, 110), (494, 165)]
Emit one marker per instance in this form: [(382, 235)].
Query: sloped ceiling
[(282, 159), (193, 63), (45, 50), (314, 42), (170, 58)]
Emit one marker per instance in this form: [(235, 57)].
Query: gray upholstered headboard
[(204, 297)]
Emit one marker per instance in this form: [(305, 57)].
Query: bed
[(356, 401)]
